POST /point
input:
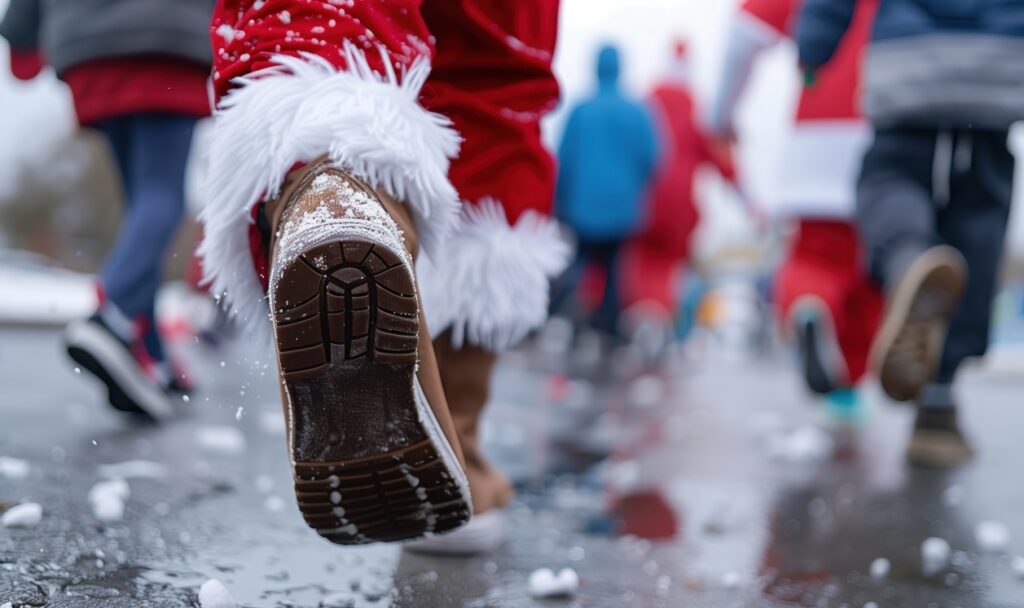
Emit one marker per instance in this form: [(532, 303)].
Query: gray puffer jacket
[(70, 32)]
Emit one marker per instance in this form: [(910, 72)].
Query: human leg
[(898, 193), (120, 344), (353, 171), (974, 222)]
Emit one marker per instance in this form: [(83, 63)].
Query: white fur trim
[(490, 283), (370, 124)]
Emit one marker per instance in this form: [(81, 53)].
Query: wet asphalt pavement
[(702, 483)]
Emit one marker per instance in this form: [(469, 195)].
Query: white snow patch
[(272, 422), (802, 444), (337, 600), (871, 605), (223, 439), (992, 536), (265, 483), (545, 583), (107, 499), (934, 555), (1018, 566), (647, 391), (131, 469), (731, 580), (25, 515), (13, 468), (274, 504), (226, 32), (880, 569), (213, 594), (623, 476)]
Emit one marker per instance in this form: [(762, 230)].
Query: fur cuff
[(370, 124), (490, 282)]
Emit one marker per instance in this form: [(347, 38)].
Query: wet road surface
[(700, 483)]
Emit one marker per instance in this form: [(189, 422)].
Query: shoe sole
[(104, 357), (938, 450), (484, 534), (371, 463), (821, 360), (924, 301)]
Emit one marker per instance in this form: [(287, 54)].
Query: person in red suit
[(823, 291), (654, 258), (378, 200)]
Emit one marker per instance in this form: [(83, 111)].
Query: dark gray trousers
[(924, 187)]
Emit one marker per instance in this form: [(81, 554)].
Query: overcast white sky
[(35, 115)]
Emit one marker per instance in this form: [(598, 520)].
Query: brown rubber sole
[(367, 467), (938, 449), (909, 344)]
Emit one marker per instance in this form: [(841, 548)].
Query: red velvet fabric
[(492, 72), (106, 88), (825, 260)]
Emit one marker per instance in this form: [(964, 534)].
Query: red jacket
[(673, 213)]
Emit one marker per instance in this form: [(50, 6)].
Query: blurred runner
[(823, 292), (606, 161), (327, 179), (138, 74), (943, 84), (653, 260)]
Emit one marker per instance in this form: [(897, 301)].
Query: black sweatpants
[(921, 187)]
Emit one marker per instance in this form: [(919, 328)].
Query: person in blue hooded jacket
[(943, 82), (607, 159)]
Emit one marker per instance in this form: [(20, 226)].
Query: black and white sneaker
[(98, 349), (821, 360)]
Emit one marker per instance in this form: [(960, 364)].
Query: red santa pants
[(826, 260)]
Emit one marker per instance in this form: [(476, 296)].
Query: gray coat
[(69, 32)]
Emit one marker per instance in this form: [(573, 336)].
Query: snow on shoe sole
[(370, 461), (909, 343)]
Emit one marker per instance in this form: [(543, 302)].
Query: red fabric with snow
[(835, 93), (826, 260), (652, 259), (491, 72)]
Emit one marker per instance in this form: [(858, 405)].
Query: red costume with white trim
[(653, 258), (299, 78), (822, 159)]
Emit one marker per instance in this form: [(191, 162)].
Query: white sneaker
[(483, 534)]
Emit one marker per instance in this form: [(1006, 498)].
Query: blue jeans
[(151, 151), (604, 254)]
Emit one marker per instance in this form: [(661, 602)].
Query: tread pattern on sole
[(347, 327), (394, 496), (913, 352)]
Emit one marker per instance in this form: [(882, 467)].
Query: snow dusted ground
[(705, 484)]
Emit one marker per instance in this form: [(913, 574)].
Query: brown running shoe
[(937, 441), (373, 448), (909, 344)]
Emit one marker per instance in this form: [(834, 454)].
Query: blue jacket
[(606, 160), (935, 63)]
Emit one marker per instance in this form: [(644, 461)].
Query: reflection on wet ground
[(700, 483)]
